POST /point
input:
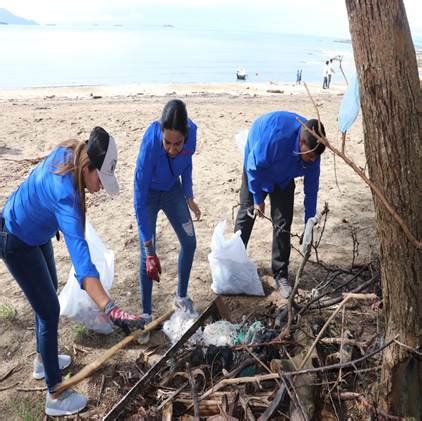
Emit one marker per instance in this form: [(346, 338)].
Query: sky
[(307, 17)]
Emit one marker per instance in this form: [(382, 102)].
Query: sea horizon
[(84, 55), (38, 56)]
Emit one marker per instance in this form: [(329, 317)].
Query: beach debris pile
[(253, 369)]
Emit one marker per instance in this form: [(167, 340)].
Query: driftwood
[(194, 393), (216, 309), (95, 365), (258, 379)]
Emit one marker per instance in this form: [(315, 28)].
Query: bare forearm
[(96, 291)]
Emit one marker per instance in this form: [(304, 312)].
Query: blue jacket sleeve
[(69, 219), (143, 176), (187, 173), (187, 181), (311, 187)]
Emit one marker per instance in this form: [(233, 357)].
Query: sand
[(33, 121)]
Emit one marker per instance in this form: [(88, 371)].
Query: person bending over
[(278, 150)]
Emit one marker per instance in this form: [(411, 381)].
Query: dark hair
[(310, 140), (97, 145), (175, 117)]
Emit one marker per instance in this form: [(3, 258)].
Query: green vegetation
[(7, 312), (29, 409)]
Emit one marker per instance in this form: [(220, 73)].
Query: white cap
[(106, 172), (102, 152)]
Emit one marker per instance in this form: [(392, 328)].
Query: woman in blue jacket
[(52, 199), (163, 181)]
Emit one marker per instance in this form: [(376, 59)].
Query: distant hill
[(9, 18)]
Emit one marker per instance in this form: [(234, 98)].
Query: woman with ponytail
[(52, 199), (163, 181)]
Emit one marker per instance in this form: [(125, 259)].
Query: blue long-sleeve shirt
[(272, 158), (155, 170), (45, 203)]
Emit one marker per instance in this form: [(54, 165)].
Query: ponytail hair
[(78, 160), (175, 117)]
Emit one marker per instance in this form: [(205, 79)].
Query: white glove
[(308, 234)]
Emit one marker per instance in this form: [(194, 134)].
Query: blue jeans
[(34, 269), (173, 204)]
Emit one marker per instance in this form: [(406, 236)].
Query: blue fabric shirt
[(45, 203), (155, 170), (272, 158)]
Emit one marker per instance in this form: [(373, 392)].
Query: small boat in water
[(241, 74)]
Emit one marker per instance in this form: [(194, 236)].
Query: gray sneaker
[(184, 304), (68, 403), (39, 373), (283, 286)]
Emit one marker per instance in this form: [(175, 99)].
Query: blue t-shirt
[(155, 170), (45, 203), (272, 158)]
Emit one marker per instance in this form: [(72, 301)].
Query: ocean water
[(33, 56)]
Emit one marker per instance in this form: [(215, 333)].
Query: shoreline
[(181, 89)]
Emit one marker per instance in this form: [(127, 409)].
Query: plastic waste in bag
[(75, 303), (231, 269), (178, 324), (350, 104)]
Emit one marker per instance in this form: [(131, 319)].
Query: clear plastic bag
[(75, 303), (231, 269), (350, 105), (240, 139)]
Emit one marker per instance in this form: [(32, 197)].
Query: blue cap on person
[(102, 152)]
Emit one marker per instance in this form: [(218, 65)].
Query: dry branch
[(322, 139), (95, 365)]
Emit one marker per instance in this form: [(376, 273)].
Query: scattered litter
[(220, 333), (178, 324)]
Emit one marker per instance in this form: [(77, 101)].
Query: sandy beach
[(33, 121)]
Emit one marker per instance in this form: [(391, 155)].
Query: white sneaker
[(184, 304), (283, 286), (68, 403), (39, 373)]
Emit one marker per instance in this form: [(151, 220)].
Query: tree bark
[(391, 101)]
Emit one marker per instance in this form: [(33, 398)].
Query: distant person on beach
[(52, 199), (298, 76), (325, 73), (163, 181), (278, 150), (330, 72)]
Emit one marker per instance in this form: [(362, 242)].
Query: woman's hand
[(194, 208)]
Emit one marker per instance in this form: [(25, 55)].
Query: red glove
[(153, 267), (128, 322)]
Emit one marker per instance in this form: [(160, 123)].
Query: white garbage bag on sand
[(241, 139), (75, 303), (231, 269)]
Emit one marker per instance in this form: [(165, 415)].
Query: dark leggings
[(281, 214), (34, 269)]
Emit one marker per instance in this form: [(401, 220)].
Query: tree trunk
[(391, 101)]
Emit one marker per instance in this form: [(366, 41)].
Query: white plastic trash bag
[(231, 269), (75, 303), (241, 139)]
